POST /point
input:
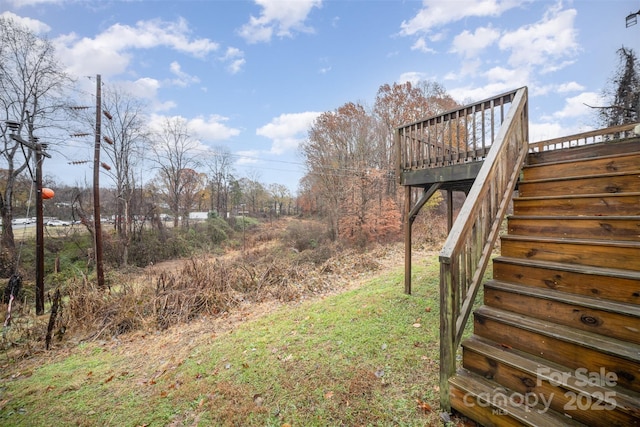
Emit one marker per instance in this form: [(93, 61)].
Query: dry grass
[(179, 291)]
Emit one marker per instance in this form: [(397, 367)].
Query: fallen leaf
[(328, 395), (424, 406), (428, 309), (109, 379), (416, 325)]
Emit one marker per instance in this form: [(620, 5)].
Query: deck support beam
[(410, 216)]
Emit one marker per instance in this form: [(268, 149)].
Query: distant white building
[(198, 215)]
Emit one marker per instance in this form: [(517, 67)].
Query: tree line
[(37, 95)]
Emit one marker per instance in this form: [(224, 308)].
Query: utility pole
[(39, 233), (96, 187), (37, 148)]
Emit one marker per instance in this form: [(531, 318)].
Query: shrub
[(306, 235)]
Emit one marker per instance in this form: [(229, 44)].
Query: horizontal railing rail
[(585, 138)]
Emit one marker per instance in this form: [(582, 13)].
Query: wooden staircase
[(557, 341)]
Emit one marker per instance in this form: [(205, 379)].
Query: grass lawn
[(367, 356)]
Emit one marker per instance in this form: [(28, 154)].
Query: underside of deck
[(456, 177)]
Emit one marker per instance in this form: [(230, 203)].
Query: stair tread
[(616, 147), (476, 385), (600, 271), (627, 400), (542, 239), (575, 196), (602, 344), (578, 217), (568, 298), (576, 177), (574, 161)]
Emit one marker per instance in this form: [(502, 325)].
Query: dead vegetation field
[(160, 316)]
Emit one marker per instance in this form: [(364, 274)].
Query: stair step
[(596, 253), (590, 398), (626, 182), (603, 283), (586, 166), (612, 319), (489, 404), (576, 227), (566, 346), (616, 147), (624, 204)]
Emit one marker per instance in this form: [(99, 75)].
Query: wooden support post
[(407, 239), (447, 332), (410, 216), (449, 210)]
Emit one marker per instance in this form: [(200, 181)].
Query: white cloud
[(278, 17), (579, 105), (468, 67), (183, 79), (421, 45), (412, 77), (436, 13), (235, 59), (470, 94), (471, 44), (211, 128), (557, 88), (38, 27), (24, 3), (517, 77), (110, 52), (552, 38), (569, 87), (145, 88), (247, 157), (549, 130), (287, 130)]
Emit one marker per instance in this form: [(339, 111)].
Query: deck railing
[(458, 136), (585, 138), (468, 248)]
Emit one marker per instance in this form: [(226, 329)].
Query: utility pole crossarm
[(29, 145)]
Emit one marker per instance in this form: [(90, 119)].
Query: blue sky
[(253, 75)]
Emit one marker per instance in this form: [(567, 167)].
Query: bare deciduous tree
[(127, 135), (220, 170), (31, 81), (175, 155)]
